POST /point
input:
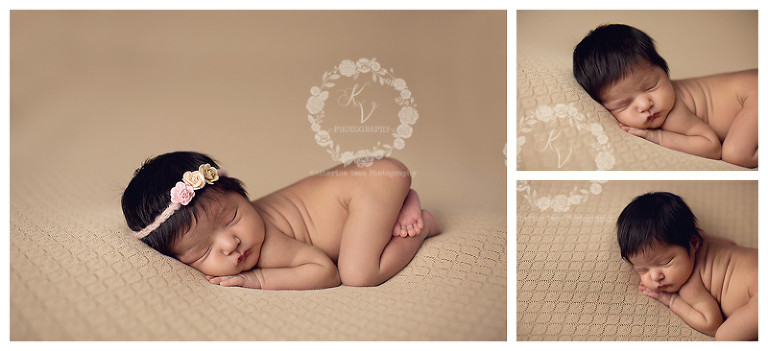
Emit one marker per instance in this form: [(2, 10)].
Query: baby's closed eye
[(234, 217), (618, 107)]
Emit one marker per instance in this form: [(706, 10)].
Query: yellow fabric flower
[(211, 174)]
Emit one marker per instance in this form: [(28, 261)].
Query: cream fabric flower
[(194, 179)]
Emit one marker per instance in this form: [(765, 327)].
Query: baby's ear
[(696, 240)]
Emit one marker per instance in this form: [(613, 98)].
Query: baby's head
[(173, 204), (657, 234), (619, 67)]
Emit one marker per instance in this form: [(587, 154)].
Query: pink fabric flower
[(182, 193)]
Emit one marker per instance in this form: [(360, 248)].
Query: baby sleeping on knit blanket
[(337, 227), (710, 283)]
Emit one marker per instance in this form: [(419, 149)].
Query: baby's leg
[(740, 145), (369, 254), (409, 221), (741, 325)]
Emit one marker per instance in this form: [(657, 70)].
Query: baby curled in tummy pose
[(351, 228), (713, 116), (709, 282)]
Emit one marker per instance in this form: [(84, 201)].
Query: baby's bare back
[(717, 99), (729, 272), (312, 210)]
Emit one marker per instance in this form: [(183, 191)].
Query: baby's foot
[(430, 225), (409, 222)]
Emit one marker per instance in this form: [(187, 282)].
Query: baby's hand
[(651, 135), (246, 280), (663, 297)]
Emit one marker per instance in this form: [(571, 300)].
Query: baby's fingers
[(636, 132), (623, 127), (227, 280), (232, 280), (648, 292)]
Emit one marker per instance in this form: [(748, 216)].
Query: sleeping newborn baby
[(713, 116), (338, 227), (711, 284)]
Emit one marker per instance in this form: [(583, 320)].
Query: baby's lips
[(243, 256)]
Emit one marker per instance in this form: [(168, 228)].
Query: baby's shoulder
[(724, 257), (746, 256), (743, 83)]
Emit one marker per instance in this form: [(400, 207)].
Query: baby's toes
[(416, 229), (400, 230), (411, 230)]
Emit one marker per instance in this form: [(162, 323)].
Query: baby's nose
[(645, 105), (231, 244)]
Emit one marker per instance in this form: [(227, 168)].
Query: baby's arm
[(682, 131), (293, 266), (694, 304)]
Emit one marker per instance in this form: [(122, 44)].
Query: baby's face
[(224, 238), (642, 99), (664, 267)]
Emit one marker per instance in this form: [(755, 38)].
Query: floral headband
[(182, 194)]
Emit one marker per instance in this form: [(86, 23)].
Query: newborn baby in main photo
[(713, 116), (337, 227), (709, 282)]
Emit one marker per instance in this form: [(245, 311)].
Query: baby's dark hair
[(608, 53), (656, 218), (148, 195)]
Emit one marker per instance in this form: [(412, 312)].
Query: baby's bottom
[(369, 254), (741, 324), (740, 145)]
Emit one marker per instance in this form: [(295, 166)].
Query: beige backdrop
[(95, 93), (694, 43)]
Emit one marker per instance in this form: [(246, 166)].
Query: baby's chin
[(659, 121)]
